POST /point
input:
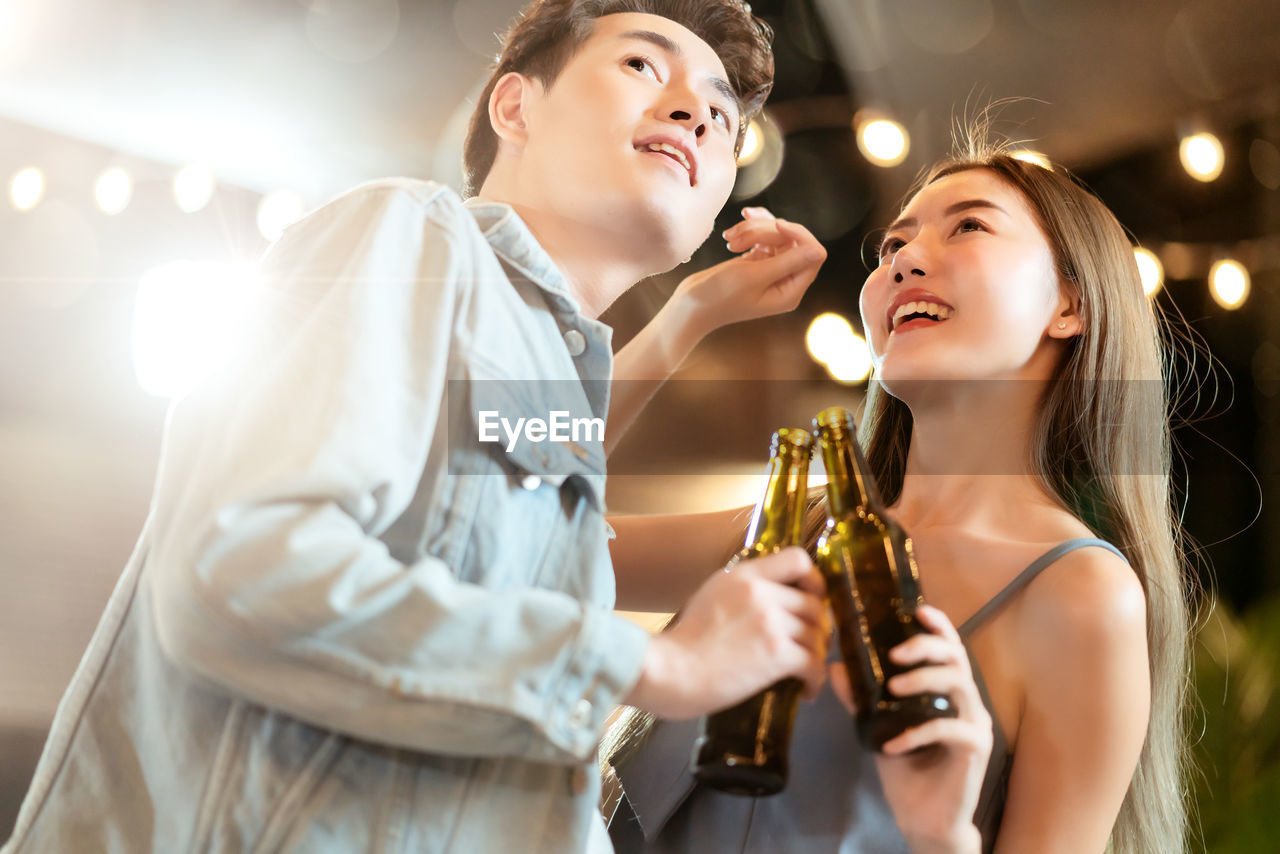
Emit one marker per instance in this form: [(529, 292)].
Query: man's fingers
[(805, 605), (789, 566)]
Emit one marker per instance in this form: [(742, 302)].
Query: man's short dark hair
[(548, 32)]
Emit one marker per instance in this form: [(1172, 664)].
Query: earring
[(1062, 324)]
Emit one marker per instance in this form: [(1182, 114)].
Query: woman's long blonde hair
[(1102, 448)]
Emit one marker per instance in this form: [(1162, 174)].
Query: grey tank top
[(833, 801)]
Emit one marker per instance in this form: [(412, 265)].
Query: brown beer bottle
[(743, 749), (873, 586)]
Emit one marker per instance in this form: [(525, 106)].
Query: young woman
[(1017, 423)]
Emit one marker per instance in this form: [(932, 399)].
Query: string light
[(1202, 156), (26, 189), (882, 141), (1150, 270), (193, 187), (1229, 283), (832, 342), (113, 191)]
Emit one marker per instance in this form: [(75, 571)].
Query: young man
[(352, 623)]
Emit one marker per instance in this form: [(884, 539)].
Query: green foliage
[(1236, 730)]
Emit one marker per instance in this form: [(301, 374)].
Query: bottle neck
[(850, 484), (779, 517)]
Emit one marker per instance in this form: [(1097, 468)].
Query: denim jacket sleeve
[(272, 577)]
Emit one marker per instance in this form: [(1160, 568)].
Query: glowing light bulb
[(1201, 156), (1150, 270), (751, 144), (193, 187), (1229, 283), (113, 191), (26, 189), (883, 142)]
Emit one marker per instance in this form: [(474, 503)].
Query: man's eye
[(719, 115), (643, 65)]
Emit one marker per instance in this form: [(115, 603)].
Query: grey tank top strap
[(1025, 577)]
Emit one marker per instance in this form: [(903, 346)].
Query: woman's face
[(966, 287)]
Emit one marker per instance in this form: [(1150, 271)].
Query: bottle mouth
[(835, 418), (794, 436)]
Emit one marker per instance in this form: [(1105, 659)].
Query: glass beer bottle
[(873, 586), (743, 749)]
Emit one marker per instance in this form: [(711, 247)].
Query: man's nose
[(684, 117)]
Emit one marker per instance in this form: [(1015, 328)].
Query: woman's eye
[(890, 246), (970, 225)]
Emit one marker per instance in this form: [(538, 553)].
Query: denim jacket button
[(580, 717), (576, 342), (531, 481)]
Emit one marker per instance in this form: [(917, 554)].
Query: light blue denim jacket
[(347, 627)]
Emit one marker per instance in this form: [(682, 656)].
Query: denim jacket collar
[(515, 244)]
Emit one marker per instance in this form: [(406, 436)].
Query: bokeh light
[(761, 161), (832, 342), (751, 146), (1229, 283), (1149, 269), (112, 191), (277, 211), (883, 142), (26, 189), (1201, 156), (193, 187)]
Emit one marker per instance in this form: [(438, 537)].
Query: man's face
[(636, 133)]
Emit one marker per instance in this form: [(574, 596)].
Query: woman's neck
[(970, 459)]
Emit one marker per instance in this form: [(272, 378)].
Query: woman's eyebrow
[(967, 204), (659, 40)]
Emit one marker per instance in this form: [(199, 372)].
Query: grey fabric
[(833, 801)]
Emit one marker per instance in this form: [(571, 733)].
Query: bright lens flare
[(1149, 269), (1229, 283), (883, 142), (277, 211), (26, 189), (193, 188), (751, 146), (833, 343), (188, 319), (1201, 156), (113, 191)]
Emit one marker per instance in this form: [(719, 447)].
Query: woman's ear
[(1067, 320), (508, 104)]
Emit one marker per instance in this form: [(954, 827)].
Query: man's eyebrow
[(659, 40), (967, 204)]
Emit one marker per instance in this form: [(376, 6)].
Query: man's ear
[(508, 105)]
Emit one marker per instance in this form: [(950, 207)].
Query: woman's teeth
[(931, 309)]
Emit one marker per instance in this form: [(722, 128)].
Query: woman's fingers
[(838, 675), (946, 680), (954, 733)]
